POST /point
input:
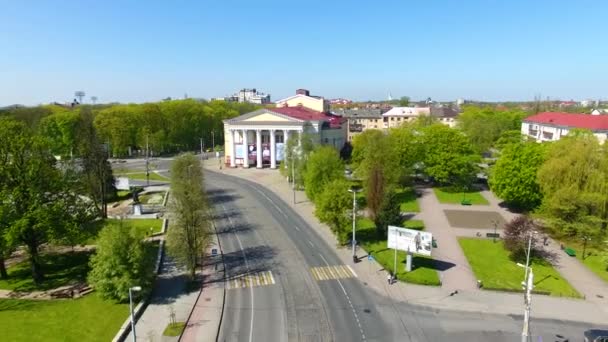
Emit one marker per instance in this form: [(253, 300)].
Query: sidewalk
[(204, 322), (467, 299)]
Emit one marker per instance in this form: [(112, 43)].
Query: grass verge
[(144, 227), (407, 198), (87, 319), (451, 195), (142, 176), (174, 329), (424, 271), (491, 264)]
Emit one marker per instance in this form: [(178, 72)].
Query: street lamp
[(585, 239), (495, 223), (528, 284), (354, 190), (131, 289)]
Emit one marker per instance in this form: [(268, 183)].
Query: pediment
[(263, 115)]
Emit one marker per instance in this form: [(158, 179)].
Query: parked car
[(596, 335)]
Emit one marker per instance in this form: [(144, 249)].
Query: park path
[(374, 276)]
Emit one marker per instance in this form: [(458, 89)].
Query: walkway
[(467, 299)]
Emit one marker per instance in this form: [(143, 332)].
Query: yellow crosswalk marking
[(332, 272), (263, 278)]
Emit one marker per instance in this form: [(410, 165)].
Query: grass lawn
[(142, 176), (174, 329), (141, 225), (87, 319), (407, 197), (453, 196), (593, 259), (423, 272), (152, 197), (59, 270), (491, 264)]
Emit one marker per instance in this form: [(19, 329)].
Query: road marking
[(311, 245), (298, 229), (332, 272), (246, 266), (258, 279), (272, 202), (348, 298)]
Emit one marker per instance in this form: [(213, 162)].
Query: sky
[(138, 51)]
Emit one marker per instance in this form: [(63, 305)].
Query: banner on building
[(410, 240)]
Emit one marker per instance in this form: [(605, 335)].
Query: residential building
[(361, 119), (259, 137), (247, 95), (445, 115), (551, 126), (398, 115)]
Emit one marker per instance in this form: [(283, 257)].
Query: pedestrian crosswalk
[(250, 280), (332, 272)]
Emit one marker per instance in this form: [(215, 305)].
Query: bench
[(466, 202), (571, 252), (493, 235)]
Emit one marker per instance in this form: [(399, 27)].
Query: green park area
[(86, 319), (453, 195), (594, 260), (424, 271), (491, 264), (407, 198), (142, 176), (144, 227)]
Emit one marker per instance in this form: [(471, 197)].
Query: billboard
[(410, 240)]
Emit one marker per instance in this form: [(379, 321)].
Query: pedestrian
[(389, 278), (545, 238)]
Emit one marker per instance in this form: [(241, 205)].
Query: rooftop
[(303, 113), (586, 121)]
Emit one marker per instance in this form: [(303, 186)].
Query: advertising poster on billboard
[(410, 240)]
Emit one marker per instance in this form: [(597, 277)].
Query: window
[(265, 139), (279, 138), (392, 119)]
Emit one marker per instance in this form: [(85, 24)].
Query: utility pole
[(528, 285), (201, 148), (213, 140), (293, 178), (147, 162)]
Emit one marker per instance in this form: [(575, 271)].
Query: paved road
[(256, 224)]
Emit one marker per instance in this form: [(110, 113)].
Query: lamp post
[(131, 289), (528, 284), (147, 162), (585, 239), (354, 190), (293, 178), (495, 223)]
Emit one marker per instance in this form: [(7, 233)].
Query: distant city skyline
[(127, 52)]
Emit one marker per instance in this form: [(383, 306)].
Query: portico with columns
[(259, 138)]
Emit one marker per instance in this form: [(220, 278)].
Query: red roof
[(587, 121), (303, 113)]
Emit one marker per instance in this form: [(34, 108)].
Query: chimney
[(302, 92)]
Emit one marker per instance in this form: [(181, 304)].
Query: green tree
[(190, 234), (323, 167), (484, 125), (389, 213), (120, 262), (449, 158), (297, 150), (36, 196), (61, 130), (332, 207), (513, 177), (405, 140), (573, 180), (404, 101)]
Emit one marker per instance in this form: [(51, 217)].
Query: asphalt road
[(261, 233)]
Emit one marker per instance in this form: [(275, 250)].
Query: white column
[(273, 156), (285, 138), (246, 149), (233, 154), (259, 148)]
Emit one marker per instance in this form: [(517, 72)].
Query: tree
[(332, 207), (96, 177), (573, 180), (484, 125), (509, 137), (297, 150), (389, 213), (190, 234), (120, 262), (36, 195), (513, 177), (448, 156), (405, 140), (404, 101), (517, 234), (323, 167)]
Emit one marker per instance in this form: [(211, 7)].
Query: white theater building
[(258, 138)]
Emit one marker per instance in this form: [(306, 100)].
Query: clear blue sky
[(135, 51)]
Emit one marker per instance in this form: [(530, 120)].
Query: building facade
[(551, 126), (360, 120), (259, 137), (247, 95)]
